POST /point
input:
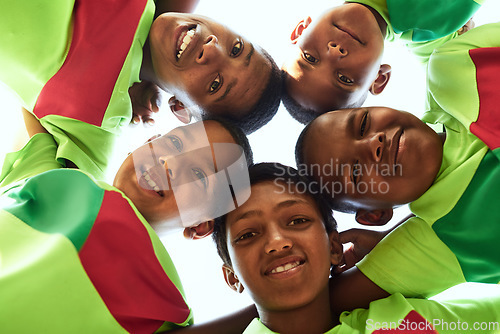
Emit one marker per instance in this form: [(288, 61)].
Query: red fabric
[(413, 323), (102, 36), (487, 126), (121, 263)]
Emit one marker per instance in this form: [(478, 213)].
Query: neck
[(311, 318), (380, 20)]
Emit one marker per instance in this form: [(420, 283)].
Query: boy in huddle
[(337, 59), (71, 63), (383, 158), (280, 246), (83, 256)]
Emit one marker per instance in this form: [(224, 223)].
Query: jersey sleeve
[(413, 261), (473, 308), (37, 156)]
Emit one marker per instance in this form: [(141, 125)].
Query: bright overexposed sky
[(268, 23)]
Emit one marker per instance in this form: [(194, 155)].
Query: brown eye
[(215, 85), (363, 124), (344, 79), (310, 58), (237, 49)]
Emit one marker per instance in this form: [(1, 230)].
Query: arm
[(181, 6), (351, 290), (363, 241), (233, 323)]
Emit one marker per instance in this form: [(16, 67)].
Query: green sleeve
[(466, 308), (35, 37), (37, 156), (413, 261)]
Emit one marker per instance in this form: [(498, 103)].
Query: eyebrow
[(248, 59), (189, 136), (350, 120), (281, 205)]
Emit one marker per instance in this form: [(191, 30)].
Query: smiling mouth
[(152, 185), (183, 42), (285, 267), (350, 33), (398, 148)]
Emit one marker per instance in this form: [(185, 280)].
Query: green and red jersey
[(423, 25), (71, 64), (455, 311), (77, 256), (454, 236)]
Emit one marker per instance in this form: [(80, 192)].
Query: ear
[(376, 217), (199, 231), (299, 28), (182, 113), (231, 279), (383, 76), (336, 249)]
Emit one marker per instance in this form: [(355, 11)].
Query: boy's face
[(373, 158), (336, 59), (174, 176), (278, 243), (218, 70)]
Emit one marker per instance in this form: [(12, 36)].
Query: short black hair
[(238, 135), (266, 106), (262, 172), (305, 115), (301, 164)]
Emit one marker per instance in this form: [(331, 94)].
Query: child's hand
[(362, 241), (468, 26), (146, 100)]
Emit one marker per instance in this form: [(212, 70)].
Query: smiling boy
[(80, 255), (337, 57), (280, 245), (72, 63), (451, 179)]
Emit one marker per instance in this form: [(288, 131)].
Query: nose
[(277, 242), (209, 51), (169, 167), (376, 145), (336, 50)]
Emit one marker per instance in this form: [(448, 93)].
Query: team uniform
[(77, 256), (423, 25), (453, 312), (71, 64), (454, 236)]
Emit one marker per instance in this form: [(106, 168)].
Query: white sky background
[(268, 23)]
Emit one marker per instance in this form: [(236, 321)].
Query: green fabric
[(423, 25), (475, 221), (38, 35), (38, 204), (26, 254), (467, 303), (429, 27), (413, 259), (37, 156)]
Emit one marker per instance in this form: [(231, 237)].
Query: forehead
[(273, 196)]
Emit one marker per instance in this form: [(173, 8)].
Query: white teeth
[(185, 41), (286, 267), (151, 183)]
